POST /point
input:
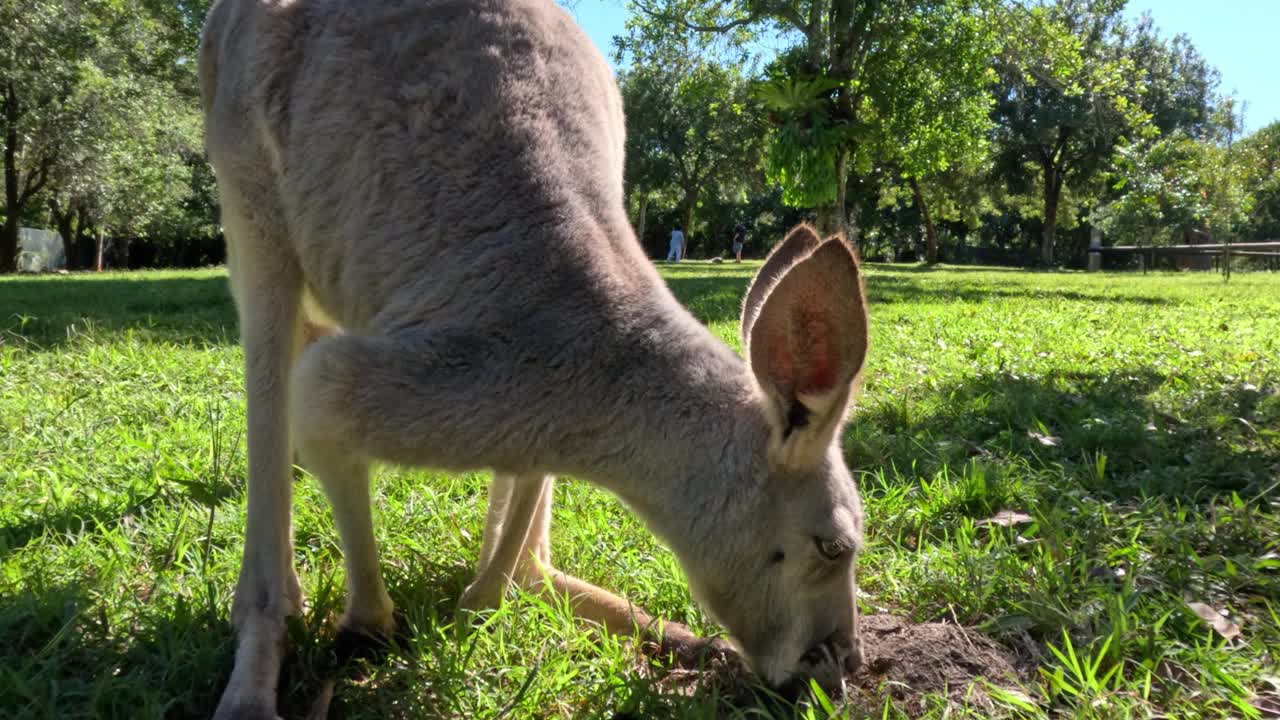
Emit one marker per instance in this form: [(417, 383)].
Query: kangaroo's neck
[(674, 432)]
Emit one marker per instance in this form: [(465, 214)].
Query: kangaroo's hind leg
[(267, 285), (413, 398), (517, 504), (535, 556)]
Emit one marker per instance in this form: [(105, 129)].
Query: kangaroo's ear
[(807, 347), (796, 246)]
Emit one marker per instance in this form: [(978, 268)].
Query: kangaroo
[(443, 180)]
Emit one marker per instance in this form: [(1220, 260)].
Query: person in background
[(677, 245), (739, 239)]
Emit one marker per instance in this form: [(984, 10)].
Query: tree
[(1179, 85), (1066, 97), (822, 91), (690, 127), (1156, 185), (41, 52), (937, 118), (1176, 183), (1259, 156), (98, 112), (131, 165)]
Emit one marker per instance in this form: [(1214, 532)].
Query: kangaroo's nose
[(835, 655)]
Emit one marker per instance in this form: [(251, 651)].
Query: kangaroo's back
[(449, 155)]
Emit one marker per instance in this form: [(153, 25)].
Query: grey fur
[(443, 180)]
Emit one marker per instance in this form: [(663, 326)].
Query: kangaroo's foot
[(371, 643)]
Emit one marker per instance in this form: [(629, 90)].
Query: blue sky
[(1235, 35)]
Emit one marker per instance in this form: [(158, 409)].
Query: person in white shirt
[(677, 245)]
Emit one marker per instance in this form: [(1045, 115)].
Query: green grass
[(1136, 419)]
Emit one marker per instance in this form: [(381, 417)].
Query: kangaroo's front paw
[(483, 594), (372, 643), (245, 712), (684, 649)]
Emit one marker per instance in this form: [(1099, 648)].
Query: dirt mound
[(908, 661), (902, 660)]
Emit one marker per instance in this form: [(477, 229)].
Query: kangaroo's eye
[(830, 549)]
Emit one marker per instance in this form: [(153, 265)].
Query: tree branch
[(35, 181), (722, 28), (1059, 148), (683, 22), (791, 15)]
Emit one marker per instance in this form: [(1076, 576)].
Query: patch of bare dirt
[(909, 661), (905, 661)]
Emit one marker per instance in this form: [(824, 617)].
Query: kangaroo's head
[(782, 580)]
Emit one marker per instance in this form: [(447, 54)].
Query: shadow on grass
[(64, 657), (17, 535), (71, 650), (713, 293), (897, 286), (1103, 430), (182, 310), (712, 298)]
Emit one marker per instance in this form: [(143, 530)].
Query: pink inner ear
[(781, 365), (822, 377), (820, 353)]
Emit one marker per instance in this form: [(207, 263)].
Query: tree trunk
[(690, 200), (9, 244), (832, 217), (85, 245), (644, 211), (16, 195), (930, 232), (1052, 193), (62, 221), (97, 264), (12, 206)]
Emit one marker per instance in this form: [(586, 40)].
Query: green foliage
[(803, 147), (1174, 184), (128, 161), (693, 131), (1066, 96), (99, 110), (844, 75), (930, 100), (1179, 85), (1259, 158), (1158, 192), (929, 114)]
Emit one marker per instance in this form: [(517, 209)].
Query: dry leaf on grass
[(1267, 704), (1047, 440), (1007, 518), (1215, 619)]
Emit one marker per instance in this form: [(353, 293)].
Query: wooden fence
[(1220, 252)]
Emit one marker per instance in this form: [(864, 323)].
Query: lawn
[(1127, 426)]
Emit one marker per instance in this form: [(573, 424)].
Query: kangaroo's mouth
[(826, 652), (827, 663)]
